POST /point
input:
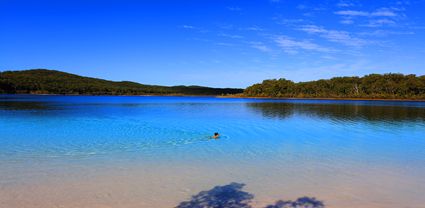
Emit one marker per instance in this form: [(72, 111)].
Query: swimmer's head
[(216, 135)]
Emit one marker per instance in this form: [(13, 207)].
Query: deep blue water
[(353, 140)]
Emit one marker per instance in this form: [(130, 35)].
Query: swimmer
[(216, 135)]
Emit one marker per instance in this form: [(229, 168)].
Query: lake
[(148, 151)]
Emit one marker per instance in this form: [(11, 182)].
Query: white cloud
[(230, 36), (301, 7), (188, 27), (385, 16), (380, 22), (352, 13), (382, 12), (345, 4), (193, 28), (290, 22), (260, 46), (291, 46), (235, 9), (225, 26), (253, 28), (382, 33), (336, 36), (310, 71), (224, 44), (347, 21)]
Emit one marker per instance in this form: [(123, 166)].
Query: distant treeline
[(386, 86), (42, 81)]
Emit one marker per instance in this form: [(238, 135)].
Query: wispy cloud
[(225, 44), (291, 46), (252, 28), (336, 36), (193, 28), (235, 9), (325, 70), (345, 4), (377, 18), (302, 7), (201, 39), (225, 26), (230, 36), (260, 46), (290, 22), (383, 33), (188, 27), (382, 12), (352, 13), (346, 21), (379, 23)]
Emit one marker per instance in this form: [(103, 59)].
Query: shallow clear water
[(135, 151)]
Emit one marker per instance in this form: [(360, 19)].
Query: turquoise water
[(138, 151)]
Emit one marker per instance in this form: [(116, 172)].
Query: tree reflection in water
[(396, 114)]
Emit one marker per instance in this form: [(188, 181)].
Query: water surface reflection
[(350, 112)]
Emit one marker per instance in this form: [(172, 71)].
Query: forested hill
[(386, 86), (43, 81)]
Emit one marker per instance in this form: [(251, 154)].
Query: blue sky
[(214, 42)]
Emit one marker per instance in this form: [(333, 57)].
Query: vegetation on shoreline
[(43, 81), (372, 86)]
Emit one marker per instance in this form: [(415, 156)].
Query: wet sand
[(163, 185)]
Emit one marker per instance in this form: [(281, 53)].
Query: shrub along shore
[(43, 81), (373, 86), (370, 87)]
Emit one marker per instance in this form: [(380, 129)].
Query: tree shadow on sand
[(232, 196)]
